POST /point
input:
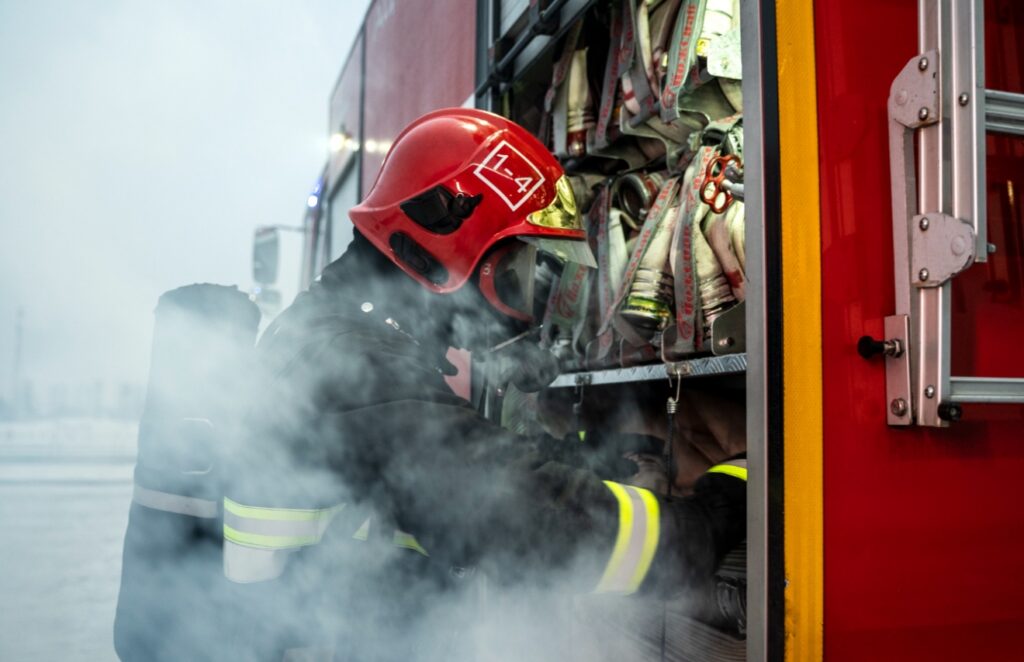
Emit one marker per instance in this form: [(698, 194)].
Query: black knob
[(868, 346), (949, 411)]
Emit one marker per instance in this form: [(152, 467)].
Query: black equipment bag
[(170, 602)]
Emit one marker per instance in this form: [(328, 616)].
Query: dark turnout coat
[(362, 493)]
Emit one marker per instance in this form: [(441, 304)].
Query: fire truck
[(878, 153)]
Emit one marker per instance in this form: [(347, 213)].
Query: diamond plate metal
[(700, 367)]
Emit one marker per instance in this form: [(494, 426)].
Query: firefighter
[(364, 489)]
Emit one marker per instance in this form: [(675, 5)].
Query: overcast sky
[(142, 141)]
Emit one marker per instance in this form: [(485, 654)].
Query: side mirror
[(269, 301), (266, 247)]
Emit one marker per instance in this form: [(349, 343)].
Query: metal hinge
[(940, 247)]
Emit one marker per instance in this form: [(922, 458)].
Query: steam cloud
[(471, 599)]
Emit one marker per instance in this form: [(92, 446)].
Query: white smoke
[(143, 141), (147, 141)]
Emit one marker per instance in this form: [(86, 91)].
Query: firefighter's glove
[(614, 455), (533, 375), (523, 364), (651, 472)]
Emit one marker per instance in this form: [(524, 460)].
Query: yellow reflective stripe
[(363, 532), (398, 538), (621, 539), (281, 514), (267, 542), (408, 541), (729, 470), (636, 541)]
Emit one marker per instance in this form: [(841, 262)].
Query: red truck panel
[(344, 111), (924, 538), (419, 57)]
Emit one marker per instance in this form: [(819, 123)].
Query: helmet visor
[(562, 213), (506, 279), (566, 250)]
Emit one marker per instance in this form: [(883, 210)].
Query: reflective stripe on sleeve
[(363, 532), (174, 503), (275, 528), (636, 542), (246, 565), (408, 541), (398, 538), (734, 468)]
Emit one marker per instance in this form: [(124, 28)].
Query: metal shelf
[(731, 364)]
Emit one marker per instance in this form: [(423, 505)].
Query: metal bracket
[(583, 379), (897, 372), (914, 102), (729, 331), (914, 97), (915, 106), (940, 247)]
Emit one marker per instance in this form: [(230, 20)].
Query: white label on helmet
[(509, 174)]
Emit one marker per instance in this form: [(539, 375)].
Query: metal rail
[(708, 366), (998, 390), (1004, 112)]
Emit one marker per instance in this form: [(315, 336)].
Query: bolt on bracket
[(897, 372), (941, 246), (914, 97)]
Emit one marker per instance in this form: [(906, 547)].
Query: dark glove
[(611, 455), (524, 364)]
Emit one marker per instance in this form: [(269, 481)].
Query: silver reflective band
[(275, 528), (258, 540), (294, 531), (247, 565), (636, 542), (174, 503)]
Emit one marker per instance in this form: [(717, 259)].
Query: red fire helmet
[(456, 182)]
